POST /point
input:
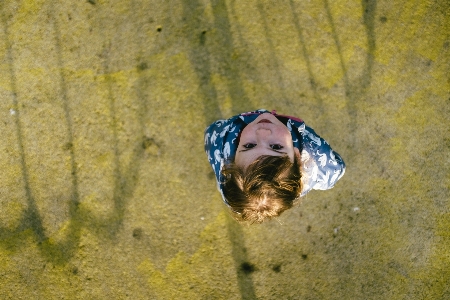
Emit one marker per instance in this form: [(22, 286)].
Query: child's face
[(264, 136)]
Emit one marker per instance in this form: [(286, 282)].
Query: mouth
[(264, 121)]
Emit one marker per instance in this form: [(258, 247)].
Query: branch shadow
[(199, 56), (125, 179), (305, 54), (201, 59), (30, 217), (225, 57), (355, 91), (274, 62)]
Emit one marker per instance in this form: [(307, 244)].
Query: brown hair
[(266, 188)]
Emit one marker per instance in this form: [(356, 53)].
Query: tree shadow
[(202, 59), (199, 56), (239, 253), (30, 217), (125, 179), (274, 62), (208, 63), (305, 54), (356, 89)]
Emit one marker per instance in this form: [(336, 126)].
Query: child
[(264, 162)]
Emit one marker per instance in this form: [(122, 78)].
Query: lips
[(264, 121)]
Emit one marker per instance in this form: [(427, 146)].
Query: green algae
[(185, 276)]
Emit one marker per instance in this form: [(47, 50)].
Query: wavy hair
[(266, 188)]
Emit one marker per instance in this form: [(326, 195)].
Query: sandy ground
[(106, 192)]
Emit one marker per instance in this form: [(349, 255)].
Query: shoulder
[(221, 142), (322, 167)]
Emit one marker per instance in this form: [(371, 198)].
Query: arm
[(214, 145), (221, 143), (322, 167)]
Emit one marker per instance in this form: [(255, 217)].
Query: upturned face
[(266, 135)]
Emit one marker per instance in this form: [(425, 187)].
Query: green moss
[(186, 276), (104, 91)]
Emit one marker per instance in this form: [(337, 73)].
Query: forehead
[(243, 159)]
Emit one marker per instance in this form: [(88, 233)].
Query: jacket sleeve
[(220, 142), (214, 145), (321, 166)]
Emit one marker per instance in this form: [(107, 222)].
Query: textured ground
[(106, 192)]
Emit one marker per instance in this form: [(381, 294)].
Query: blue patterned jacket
[(321, 167)]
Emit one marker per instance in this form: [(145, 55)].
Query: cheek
[(284, 134), (244, 134)]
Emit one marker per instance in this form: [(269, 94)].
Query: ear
[(297, 152)]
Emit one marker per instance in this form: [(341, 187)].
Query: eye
[(276, 147), (249, 146)]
